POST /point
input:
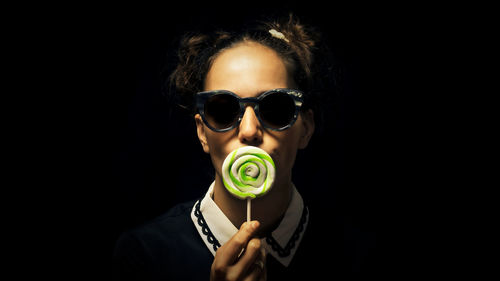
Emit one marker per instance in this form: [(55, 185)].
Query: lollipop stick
[(249, 209)]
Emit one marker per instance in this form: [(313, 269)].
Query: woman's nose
[(250, 130)]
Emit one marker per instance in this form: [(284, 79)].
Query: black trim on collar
[(204, 227), (282, 252), (291, 243)]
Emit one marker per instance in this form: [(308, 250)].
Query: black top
[(170, 248)]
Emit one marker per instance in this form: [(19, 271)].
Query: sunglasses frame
[(202, 97)]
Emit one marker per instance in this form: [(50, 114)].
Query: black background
[(124, 155)]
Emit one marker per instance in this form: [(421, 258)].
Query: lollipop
[(247, 173)]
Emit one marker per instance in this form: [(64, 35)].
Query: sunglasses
[(276, 109)]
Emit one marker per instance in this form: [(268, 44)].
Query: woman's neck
[(268, 209)]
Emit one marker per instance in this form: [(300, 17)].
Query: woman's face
[(249, 69)]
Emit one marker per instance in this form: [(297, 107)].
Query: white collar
[(216, 229)]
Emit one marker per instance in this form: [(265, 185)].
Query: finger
[(233, 247), (248, 259), (263, 275), (258, 270)]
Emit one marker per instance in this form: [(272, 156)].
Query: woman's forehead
[(247, 69)]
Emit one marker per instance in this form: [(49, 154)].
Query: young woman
[(259, 87)]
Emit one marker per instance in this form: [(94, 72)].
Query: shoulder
[(168, 245), (345, 247), (163, 227)]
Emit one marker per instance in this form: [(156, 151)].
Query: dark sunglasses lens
[(277, 110), (221, 111)]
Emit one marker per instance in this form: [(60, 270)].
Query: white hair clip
[(277, 34)]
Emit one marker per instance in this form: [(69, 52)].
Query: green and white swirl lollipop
[(247, 173)]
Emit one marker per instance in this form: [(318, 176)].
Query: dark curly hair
[(306, 57)]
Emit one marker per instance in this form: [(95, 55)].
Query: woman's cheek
[(220, 147), (289, 149)]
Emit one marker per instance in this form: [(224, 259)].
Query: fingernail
[(254, 224)]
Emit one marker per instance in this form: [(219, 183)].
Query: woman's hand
[(241, 258)]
